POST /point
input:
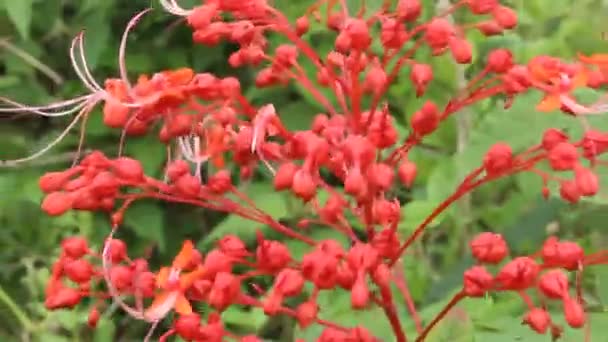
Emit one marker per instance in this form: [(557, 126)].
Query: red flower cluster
[(547, 278), (207, 119)]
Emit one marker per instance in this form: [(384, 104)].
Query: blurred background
[(35, 69)]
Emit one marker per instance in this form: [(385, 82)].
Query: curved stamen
[(43, 110), (76, 65), (173, 8), (84, 64), (58, 139), (107, 265), (123, 46)]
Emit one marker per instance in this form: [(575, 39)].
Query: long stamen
[(76, 104), (76, 65), (123, 46), (14, 162), (173, 8), (84, 64)]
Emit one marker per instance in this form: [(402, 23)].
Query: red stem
[(457, 298), (402, 285), (391, 313)]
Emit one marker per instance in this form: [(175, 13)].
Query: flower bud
[(500, 61), (574, 313), (498, 159), (538, 319), (489, 248)]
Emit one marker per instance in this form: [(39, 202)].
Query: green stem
[(14, 308)]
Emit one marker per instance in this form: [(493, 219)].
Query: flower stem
[(17, 312), (457, 298)]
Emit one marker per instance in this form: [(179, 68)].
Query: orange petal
[(182, 305), (186, 280), (159, 300), (162, 277), (549, 103), (580, 79), (184, 256), (218, 161), (596, 58), (181, 76)]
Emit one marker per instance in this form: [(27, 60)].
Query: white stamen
[(123, 46)]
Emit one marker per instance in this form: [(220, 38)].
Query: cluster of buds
[(204, 119), (547, 277)]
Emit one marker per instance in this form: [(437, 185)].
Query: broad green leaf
[(456, 326), (267, 200), (97, 37), (105, 330), (147, 219), (20, 13), (336, 308), (415, 212)]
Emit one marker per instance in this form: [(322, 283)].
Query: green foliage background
[(34, 68)]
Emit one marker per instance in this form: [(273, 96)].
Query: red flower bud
[(304, 185), (426, 120), (552, 137), (380, 175), (79, 271), (421, 76), (359, 295), (477, 281), (283, 179), (538, 319), (489, 248), (272, 255), (569, 192), (188, 185), (187, 326), (118, 250), (177, 169), (586, 181), (121, 277), (438, 33), (62, 298), (500, 61), (498, 159), (408, 10), (407, 173), (306, 313), (564, 254), (220, 182), (93, 318), (57, 203), (53, 181), (506, 17), (554, 284), (128, 169), (461, 50), (574, 313), (489, 28), (302, 25), (482, 6), (519, 274), (75, 247), (289, 282), (564, 156)]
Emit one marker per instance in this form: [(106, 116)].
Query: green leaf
[(415, 212), (146, 219), (97, 37), (456, 326), (337, 309), (271, 202), (105, 330), (20, 13)]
